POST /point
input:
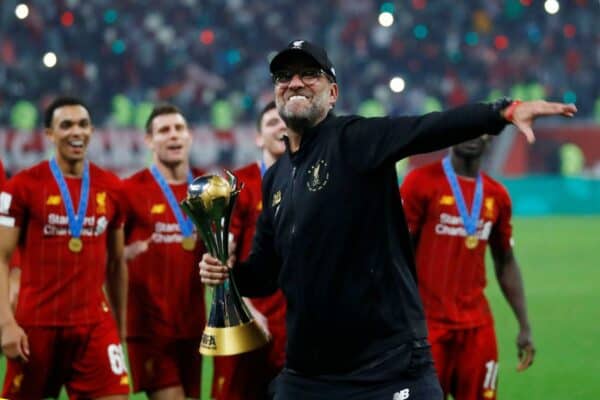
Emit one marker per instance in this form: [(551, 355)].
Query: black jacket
[(333, 236)]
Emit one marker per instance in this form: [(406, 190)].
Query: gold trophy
[(230, 328)]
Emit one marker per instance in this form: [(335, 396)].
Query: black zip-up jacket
[(333, 236)]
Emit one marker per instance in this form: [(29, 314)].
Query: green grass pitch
[(561, 272)]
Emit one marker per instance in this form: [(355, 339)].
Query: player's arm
[(14, 339), (14, 285), (116, 277), (509, 277)]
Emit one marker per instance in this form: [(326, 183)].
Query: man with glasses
[(333, 235)]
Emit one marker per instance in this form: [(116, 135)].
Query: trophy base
[(232, 340)]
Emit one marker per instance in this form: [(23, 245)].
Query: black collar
[(308, 137)]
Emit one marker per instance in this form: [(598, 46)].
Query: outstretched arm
[(377, 141), (509, 277)]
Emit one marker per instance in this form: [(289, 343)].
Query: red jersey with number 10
[(60, 287), (451, 277)]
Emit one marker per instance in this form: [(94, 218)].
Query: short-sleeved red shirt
[(452, 277), (166, 296), (60, 287)]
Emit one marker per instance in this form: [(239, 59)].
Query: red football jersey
[(60, 287), (166, 297), (243, 224), (452, 277)]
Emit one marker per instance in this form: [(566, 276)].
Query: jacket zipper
[(292, 208), (293, 228)]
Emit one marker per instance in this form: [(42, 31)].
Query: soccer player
[(165, 316), (247, 376), (66, 218), (454, 211)]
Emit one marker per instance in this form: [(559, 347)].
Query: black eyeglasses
[(307, 75)]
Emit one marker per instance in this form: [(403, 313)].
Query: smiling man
[(65, 216), (165, 311), (333, 236)]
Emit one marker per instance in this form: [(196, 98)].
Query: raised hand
[(523, 114)]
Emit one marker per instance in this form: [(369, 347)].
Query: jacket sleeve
[(372, 142), (258, 275)]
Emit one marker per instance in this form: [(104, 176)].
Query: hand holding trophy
[(230, 328)]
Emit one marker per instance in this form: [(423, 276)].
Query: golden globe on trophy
[(230, 328)]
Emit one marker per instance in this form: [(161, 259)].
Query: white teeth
[(297, 97), (76, 143)]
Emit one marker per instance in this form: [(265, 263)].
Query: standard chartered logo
[(451, 225), (402, 395)]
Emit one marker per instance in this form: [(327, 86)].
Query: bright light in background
[(386, 19), (22, 11), (49, 59), (397, 84), (551, 6)]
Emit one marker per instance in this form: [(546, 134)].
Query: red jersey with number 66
[(60, 287), (451, 276)]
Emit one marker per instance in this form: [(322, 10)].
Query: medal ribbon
[(263, 168), (75, 221), (469, 221), (185, 225)]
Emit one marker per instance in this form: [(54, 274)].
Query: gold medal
[(471, 241), (188, 243), (75, 245)]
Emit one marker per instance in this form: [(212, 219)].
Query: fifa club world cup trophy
[(230, 328)]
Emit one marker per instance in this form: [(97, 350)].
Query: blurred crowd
[(210, 57)]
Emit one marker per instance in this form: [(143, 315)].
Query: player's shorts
[(245, 376), (158, 363), (87, 359), (466, 361)]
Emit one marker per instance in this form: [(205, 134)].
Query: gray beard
[(296, 123), (299, 123)]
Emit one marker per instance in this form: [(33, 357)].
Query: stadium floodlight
[(22, 11), (551, 6), (397, 84), (50, 59), (386, 19)]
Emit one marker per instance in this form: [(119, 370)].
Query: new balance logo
[(402, 395)]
